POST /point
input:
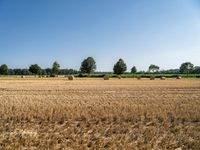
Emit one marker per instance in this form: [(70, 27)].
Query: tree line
[(88, 66)]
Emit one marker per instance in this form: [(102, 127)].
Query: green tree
[(35, 69), (120, 67), (133, 70), (196, 69), (48, 71), (4, 69), (55, 68), (186, 68), (153, 68), (88, 65)]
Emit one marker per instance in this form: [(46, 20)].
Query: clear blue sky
[(142, 32)]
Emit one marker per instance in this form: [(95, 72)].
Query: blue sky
[(142, 32)]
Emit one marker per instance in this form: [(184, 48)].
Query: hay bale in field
[(152, 78), (22, 76), (71, 77), (178, 77), (162, 78), (138, 77), (106, 77), (52, 76)]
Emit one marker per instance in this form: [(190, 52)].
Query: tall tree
[(88, 65), (153, 68), (186, 68), (120, 67), (55, 68), (4, 69), (35, 69), (133, 70)]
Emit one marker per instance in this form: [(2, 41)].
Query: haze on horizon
[(165, 33)]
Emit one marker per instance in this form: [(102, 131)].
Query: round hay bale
[(71, 77), (152, 78), (178, 77), (138, 77), (22, 76), (162, 78), (53, 76), (106, 77)]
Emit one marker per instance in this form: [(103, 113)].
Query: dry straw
[(152, 78), (106, 77), (162, 78), (91, 114), (71, 77)]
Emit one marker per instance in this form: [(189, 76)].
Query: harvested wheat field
[(99, 114)]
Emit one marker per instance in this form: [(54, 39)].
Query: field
[(96, 114)]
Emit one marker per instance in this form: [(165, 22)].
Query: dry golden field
[(97, 114)]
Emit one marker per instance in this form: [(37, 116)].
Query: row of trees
[(88, 66), (37, 70)]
